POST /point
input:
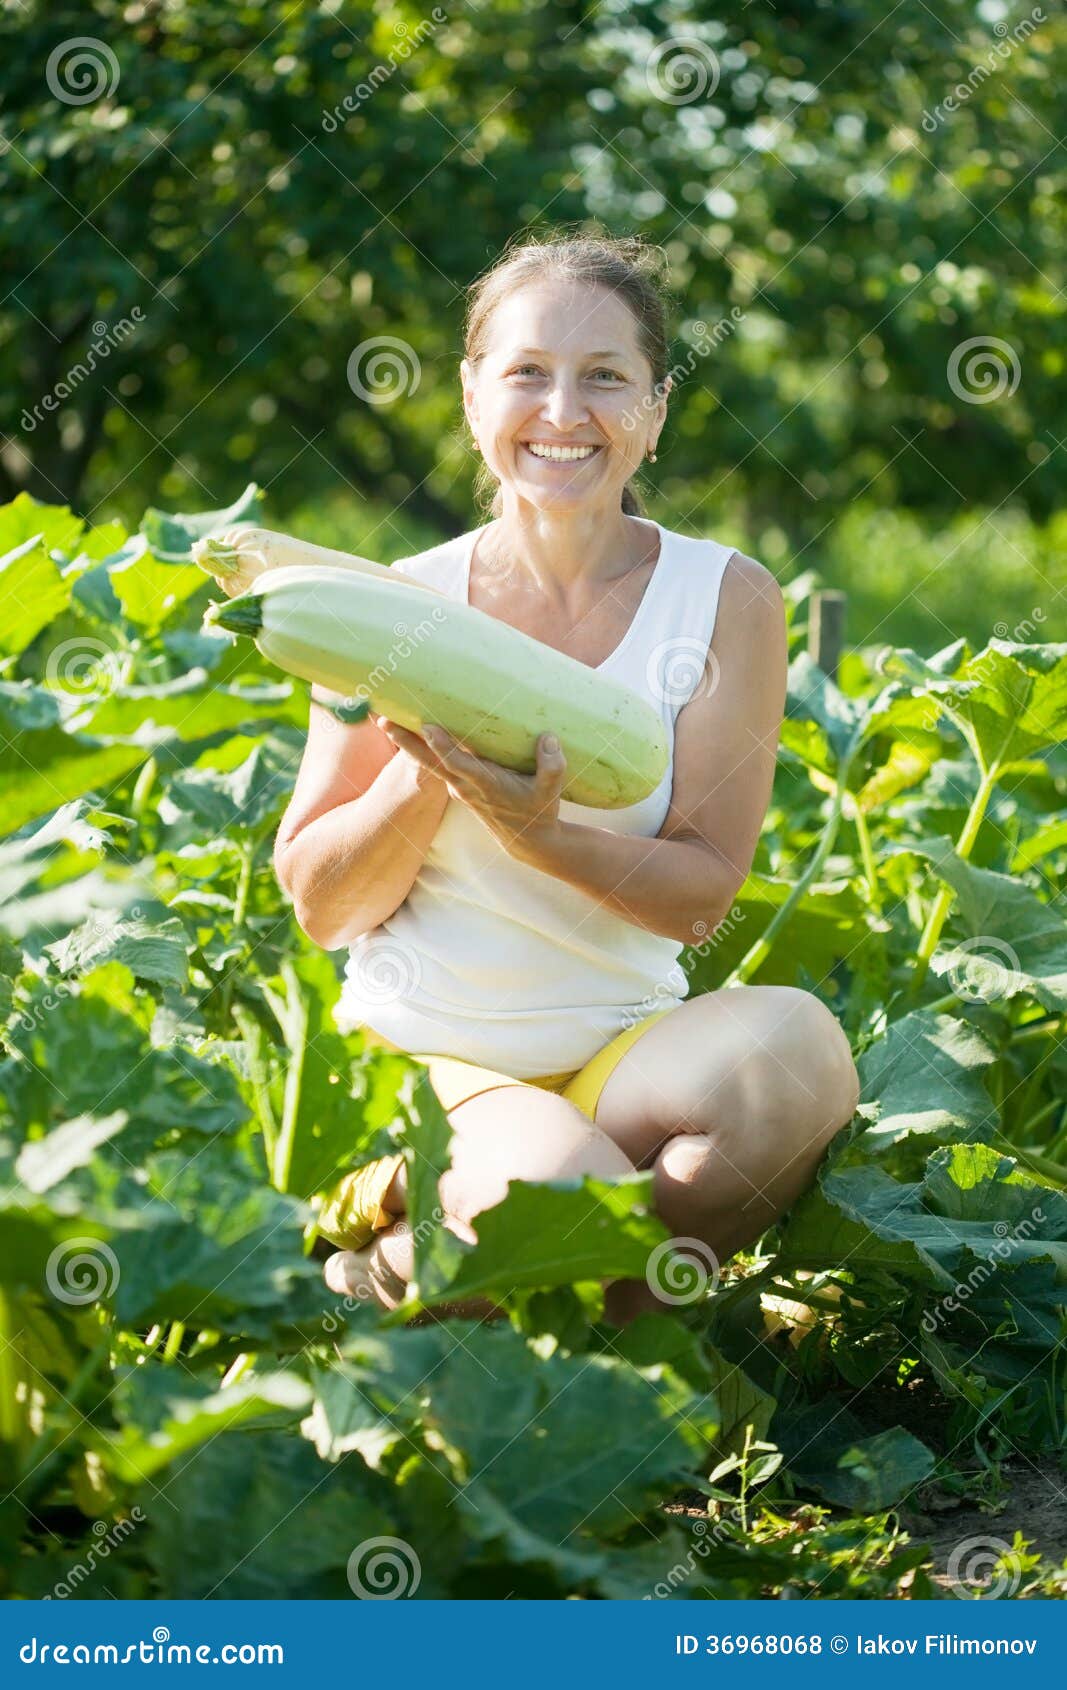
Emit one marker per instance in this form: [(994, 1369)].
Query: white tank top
[(496, 962)]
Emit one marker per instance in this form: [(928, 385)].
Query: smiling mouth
[(561, 454)]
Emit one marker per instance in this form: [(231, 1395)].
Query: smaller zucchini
[(240, 555)]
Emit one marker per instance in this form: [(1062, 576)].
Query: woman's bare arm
[(359, 824), (683, 882)]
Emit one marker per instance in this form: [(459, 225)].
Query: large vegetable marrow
[(433, 660)]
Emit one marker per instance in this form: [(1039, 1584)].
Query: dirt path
[(964, 1538)]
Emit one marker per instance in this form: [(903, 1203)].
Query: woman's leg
[(514, 1132), (731, 1100)]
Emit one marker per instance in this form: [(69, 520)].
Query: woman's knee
[(521, 1133), (793, 1073), (825, 1064)]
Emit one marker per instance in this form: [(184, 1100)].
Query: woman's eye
[(534, 369)]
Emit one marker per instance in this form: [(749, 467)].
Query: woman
[(526, 947)]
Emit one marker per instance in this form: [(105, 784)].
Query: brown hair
[(623, 264)]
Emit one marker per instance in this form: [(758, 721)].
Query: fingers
[(478, 779), (454, 758), (551, 766), (436, 749), (413, 744), (550, 757)]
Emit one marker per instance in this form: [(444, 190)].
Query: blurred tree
[(847, 196)]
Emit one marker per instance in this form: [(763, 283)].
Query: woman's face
[(563, 369)]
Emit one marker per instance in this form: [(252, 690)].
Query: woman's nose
[(564, 407)]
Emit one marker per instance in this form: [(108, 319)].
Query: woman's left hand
[(517, 809)]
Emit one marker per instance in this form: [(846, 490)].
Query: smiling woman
[(611, 284), (527, 947)]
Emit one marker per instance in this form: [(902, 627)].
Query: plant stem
[(1056, 1148), (943, 901), (259, 1076), (42, 1459), (863, 834), (743, 1501), (1032, 1088), (757, 955), (174, 1340), (1036, 1029), (240, 909), (940, 1006), (238, 1368), (1044, 1114), (244, 883), (296, 1038), (142, 788), (11, 1422), (1042, 1165)]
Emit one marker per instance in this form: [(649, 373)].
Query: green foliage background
[(815, 183), (174, 1096)]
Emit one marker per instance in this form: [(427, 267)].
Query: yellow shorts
[(353, 1211)]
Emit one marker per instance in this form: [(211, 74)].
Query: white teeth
[(563, 454)]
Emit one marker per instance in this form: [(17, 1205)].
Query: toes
[(347, 1272), (393, 1255)]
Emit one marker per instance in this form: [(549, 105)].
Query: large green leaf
[(151, 950), (344, 1418), (1012, 941), (32, 592), (824, 930), (554, 1234), (172, 535), (924, 1078), (215, 1246), (255, 1516), (246, 797), (860, 1217), (745, 1411), (549, 1452), (23, 519), (191, 705), (41, 766), (78, 1049), (25, 858), (883, 739), (336, 1108), (44, 1162), (828, 1452), (166, 1412), (821, 723), (150, 589), (1010, 699), (976, 1183)]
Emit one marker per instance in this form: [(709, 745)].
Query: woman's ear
[(470, 400), (659, 412)]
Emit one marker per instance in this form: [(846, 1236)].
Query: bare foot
[(382, 1272)]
